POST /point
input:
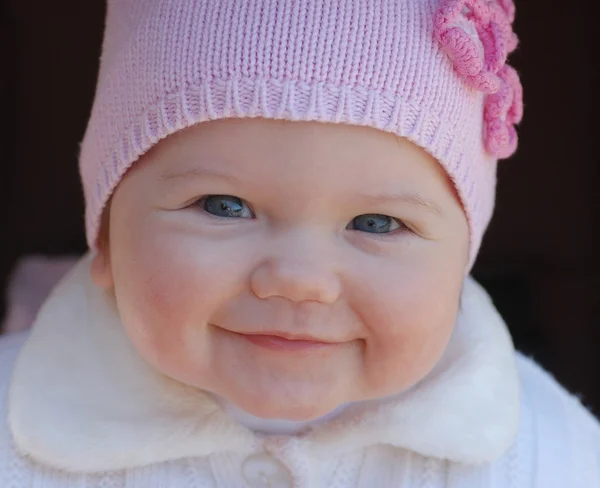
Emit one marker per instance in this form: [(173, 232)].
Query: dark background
[(537, 261)]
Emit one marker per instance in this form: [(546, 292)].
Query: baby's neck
[(275, 426)]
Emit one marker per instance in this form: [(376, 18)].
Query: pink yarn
[(477, 36), (502, 111)]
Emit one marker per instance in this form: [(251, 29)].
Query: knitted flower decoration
[(477, 36)]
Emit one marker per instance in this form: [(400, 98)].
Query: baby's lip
[(285, 339), (280, 335), (280, 342)]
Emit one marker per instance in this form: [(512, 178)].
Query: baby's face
[(288, 267)]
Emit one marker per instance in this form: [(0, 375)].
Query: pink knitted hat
[(432, 71)]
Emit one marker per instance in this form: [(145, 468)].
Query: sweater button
[(264, 471)]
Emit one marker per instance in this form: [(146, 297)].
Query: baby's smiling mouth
[(282, 341)]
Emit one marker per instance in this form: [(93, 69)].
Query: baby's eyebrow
[(196, 172), (410, 198), (406, 197)]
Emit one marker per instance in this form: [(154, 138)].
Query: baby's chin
[(296, 401), (293, 412), (290, 411)]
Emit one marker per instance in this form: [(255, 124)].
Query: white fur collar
[(81, 399)]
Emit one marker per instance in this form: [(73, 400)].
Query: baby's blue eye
[(375, 224), (226, 206)]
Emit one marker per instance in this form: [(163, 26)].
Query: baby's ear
[(101, 270)]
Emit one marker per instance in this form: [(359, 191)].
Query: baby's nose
[(296, 280)]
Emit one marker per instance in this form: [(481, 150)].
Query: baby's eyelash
[(376, 224), (225, 206)]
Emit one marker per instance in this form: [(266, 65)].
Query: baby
[(284, 201)]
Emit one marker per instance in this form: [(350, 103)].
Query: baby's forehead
[(270, 152), (243, 143)]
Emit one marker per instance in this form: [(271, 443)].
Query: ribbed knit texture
[(558, 447), (169, 64)]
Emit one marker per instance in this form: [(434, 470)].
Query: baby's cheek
[(159, 321), (155, 287), (169, 294), (410, 329)]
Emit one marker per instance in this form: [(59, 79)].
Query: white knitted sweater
[(80, 409)]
